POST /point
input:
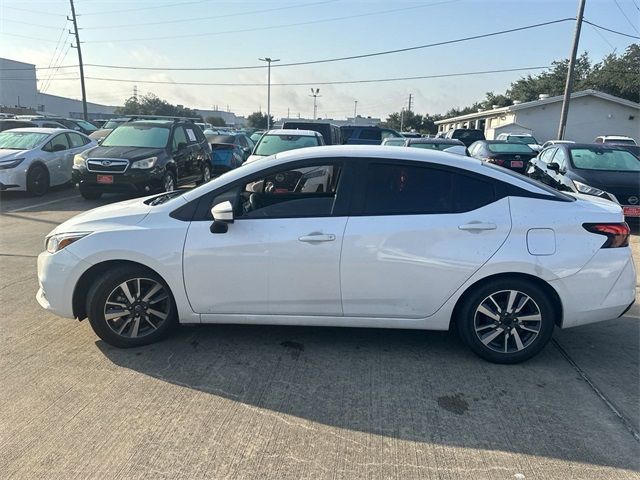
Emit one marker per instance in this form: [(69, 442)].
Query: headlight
[(79, 161), (145, 163), (55, 243), (588, 189), (10, 163)]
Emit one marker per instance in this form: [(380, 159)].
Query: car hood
[(101, 133), (11, 154), (127, 213), (253, 158), (607, 180), (129, 153)]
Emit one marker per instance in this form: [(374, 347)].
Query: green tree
[(150, 104), (618, 75), (258, 120), (407, 120), (216, 121)]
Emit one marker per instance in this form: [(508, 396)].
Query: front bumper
[(58, 274), (13, 179), (602, 290), (142, 181)]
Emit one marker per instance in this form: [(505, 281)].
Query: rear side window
[(179, 137), (77, 140), (412, 190)]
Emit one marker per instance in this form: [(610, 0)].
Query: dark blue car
[(228, 151)]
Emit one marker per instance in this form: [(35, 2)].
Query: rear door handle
[(317, 237), (478, 226)]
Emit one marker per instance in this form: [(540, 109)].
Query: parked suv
[(144, 157), (359, 135), (465, 135)]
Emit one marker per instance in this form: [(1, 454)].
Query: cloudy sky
[(214, 34)]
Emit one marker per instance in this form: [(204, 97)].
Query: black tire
[(90, 195), (107, 288), (206, 174), (38, 180), (486, 335), (168, 179)]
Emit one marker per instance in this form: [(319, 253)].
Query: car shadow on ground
[(411, 385)]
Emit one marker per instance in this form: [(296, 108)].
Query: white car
[(549, 143), (616, 139), (525, 138), (283, 140), (34, 159), (389, 237)]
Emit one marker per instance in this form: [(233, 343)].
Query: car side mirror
[(222, 214), (554, 166)]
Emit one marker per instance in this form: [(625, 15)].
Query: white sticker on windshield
[(191, 134)]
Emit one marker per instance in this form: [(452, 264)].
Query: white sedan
[(34, 159), (352, 236)]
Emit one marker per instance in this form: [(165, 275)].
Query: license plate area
[(104, 179), (517, 164), (631, 211)]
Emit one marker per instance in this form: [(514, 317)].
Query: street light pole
[(315, 95), (269, 61), (355, 108)]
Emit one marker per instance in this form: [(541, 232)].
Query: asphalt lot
[(299, 403)]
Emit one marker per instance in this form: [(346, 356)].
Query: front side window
[(394, 189), (58, 143), (299, 192), (272, 143), (143, 136), (560, 158), (547, 155)]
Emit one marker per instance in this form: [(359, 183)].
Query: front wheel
[(506, 320), (206, 173), (168, 182), (38, 180), (130, 307)]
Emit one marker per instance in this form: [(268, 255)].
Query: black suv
[(144, 157), (361, 135)]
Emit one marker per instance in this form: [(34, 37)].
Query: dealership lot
[(290, 402)]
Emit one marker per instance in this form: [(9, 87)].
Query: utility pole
[(355, 109), (315, 95), (401, 118), (572, 61), (409, 109), (77, 45), (269, 61)]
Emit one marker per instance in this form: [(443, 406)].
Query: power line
[(39, 25), (154, 7), (625, 16), (609, 29), (33, 11), (270, 27), (266, 10), (54, 58), (326, 60), (28, 37)]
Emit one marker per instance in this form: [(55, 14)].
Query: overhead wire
[(625, 16)]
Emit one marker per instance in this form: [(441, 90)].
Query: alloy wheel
[(507, 321), (169, 184), (137, 307), (206, 174)]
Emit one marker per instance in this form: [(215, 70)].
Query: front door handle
[(478, 226), (317, 237)]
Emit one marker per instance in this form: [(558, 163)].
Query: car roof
[(152, 123), (615, 137), (599, 146), (43, 130), (293, 131), (452, 141)]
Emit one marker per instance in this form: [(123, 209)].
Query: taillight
[(617, 233), (496, 161)]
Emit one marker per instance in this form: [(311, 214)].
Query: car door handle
[(317, 237), (478, 226)]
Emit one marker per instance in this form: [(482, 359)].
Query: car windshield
[(21, 140), (86, 125), (271, 144), (526, 139), (604, 159), (509, 148), (621, 141), (434, 146), (113, 124), (149, 136)]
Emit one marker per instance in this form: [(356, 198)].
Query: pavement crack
[(625, 421)]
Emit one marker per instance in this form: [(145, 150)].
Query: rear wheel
[(506, 320), (131, 306), (38, 180)]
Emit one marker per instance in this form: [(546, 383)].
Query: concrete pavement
[(286, 402)]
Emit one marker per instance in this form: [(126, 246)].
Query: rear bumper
[(602, 290)]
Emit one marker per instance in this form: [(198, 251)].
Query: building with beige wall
[(591, 113)]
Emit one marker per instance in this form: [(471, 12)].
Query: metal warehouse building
[(591, 113)]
